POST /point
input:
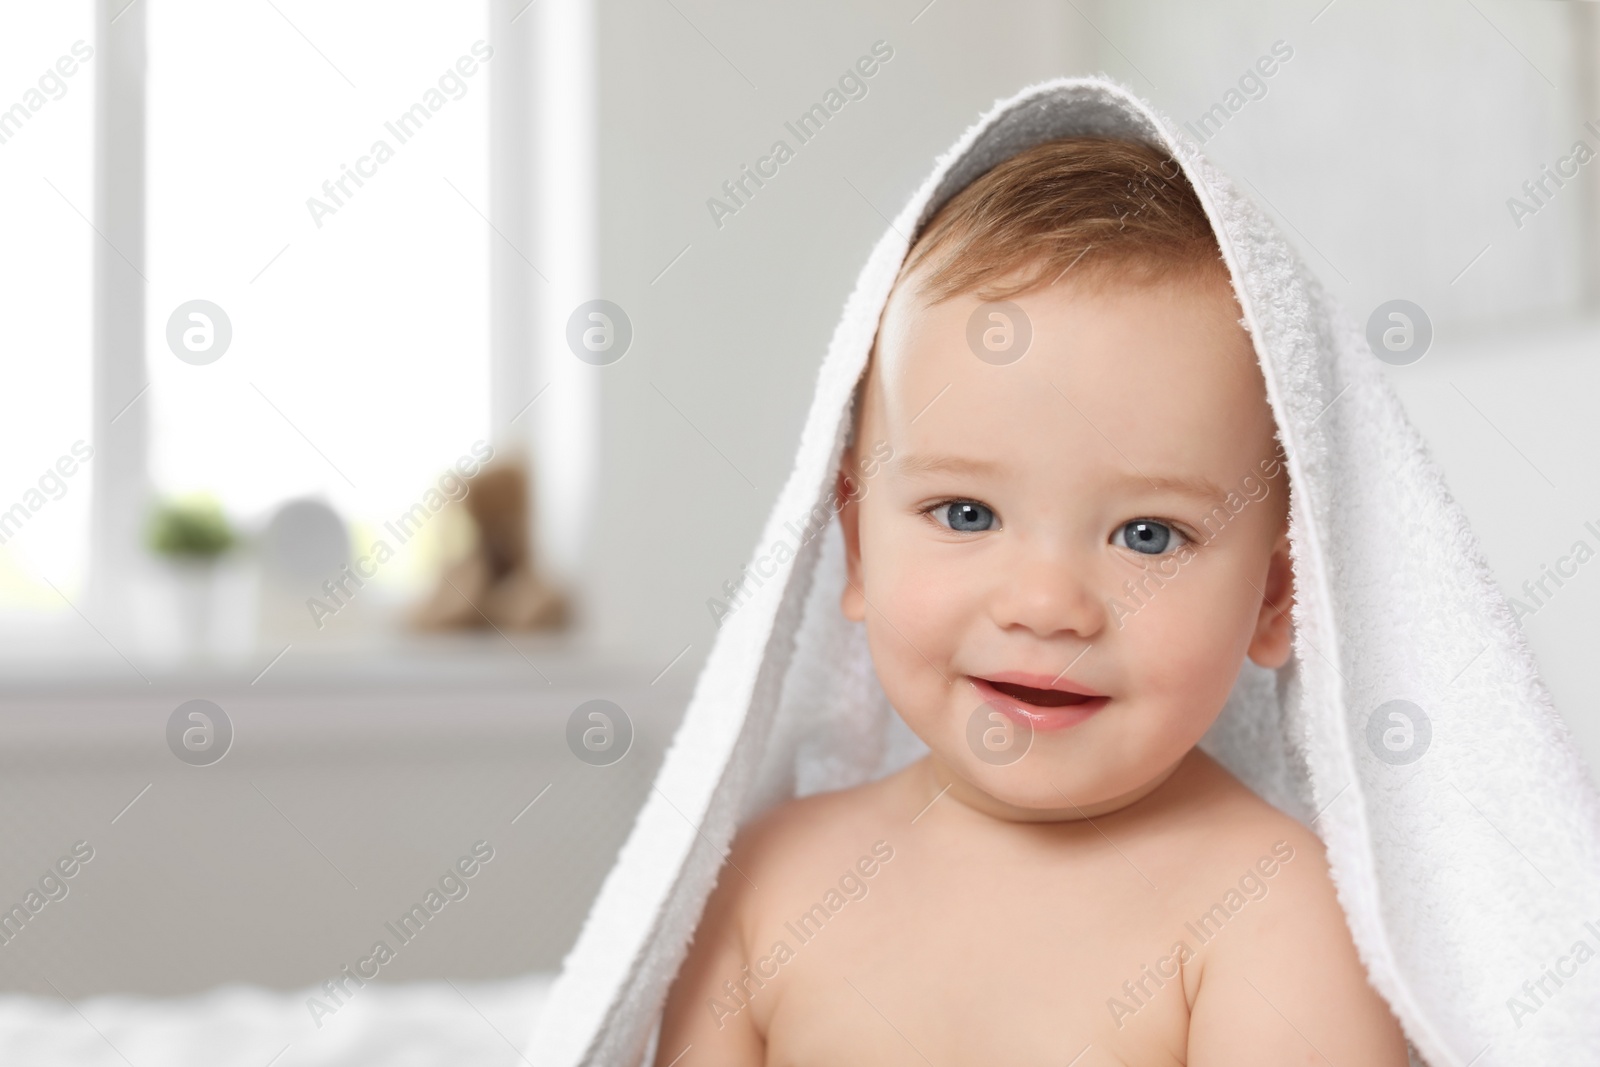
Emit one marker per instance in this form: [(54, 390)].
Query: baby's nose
[(1049, 594)]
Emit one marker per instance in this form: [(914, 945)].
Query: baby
[(1076, 531)]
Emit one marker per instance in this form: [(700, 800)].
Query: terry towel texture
[(1463, 874)]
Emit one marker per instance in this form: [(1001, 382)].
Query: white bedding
[(430, 1024)]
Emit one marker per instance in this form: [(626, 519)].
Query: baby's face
[(1068, 556)]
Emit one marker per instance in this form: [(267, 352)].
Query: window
[(315, 279), (320, 173), (46, 182), (272, 251)]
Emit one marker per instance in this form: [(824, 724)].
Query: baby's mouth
[(1043, 698), (1057, 704)]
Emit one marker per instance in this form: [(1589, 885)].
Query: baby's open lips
[(1044, 698), (1043, 692)]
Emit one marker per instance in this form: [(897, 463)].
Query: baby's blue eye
[(1146, 536), (964, 516)]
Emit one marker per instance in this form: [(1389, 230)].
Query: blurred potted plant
[(190, 534)]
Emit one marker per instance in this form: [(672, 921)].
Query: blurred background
[(397, 379)]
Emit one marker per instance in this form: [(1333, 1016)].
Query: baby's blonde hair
[(1092, 208)]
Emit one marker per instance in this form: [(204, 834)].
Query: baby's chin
[(1049, 786)]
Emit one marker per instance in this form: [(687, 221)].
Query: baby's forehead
[(1179, 328), (1154, 368)]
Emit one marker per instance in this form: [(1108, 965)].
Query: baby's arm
[(1292, 990), (691, 1021)]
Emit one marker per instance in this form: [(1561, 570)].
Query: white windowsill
[(396, 689)]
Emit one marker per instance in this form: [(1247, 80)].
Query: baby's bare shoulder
[(1257, 870), (1211, 830), (775, 861), (1279, 973), (799, 833), (782, 857)]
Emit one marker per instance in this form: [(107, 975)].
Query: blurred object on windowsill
[(497, 583), (304, 547), (190, 535), (190, 528)]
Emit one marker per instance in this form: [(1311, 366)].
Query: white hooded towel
[(1464, 873)]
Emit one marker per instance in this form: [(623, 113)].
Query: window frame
[(541, 109)]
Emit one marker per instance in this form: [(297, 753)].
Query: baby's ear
[(847, 500), (1274, 637)]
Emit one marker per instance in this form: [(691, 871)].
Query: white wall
[(344, 795)]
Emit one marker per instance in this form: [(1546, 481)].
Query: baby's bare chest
[(994, 959)]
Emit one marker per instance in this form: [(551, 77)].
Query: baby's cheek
[(920, 602), (1187, 643), (915, 623), (905, 579)]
